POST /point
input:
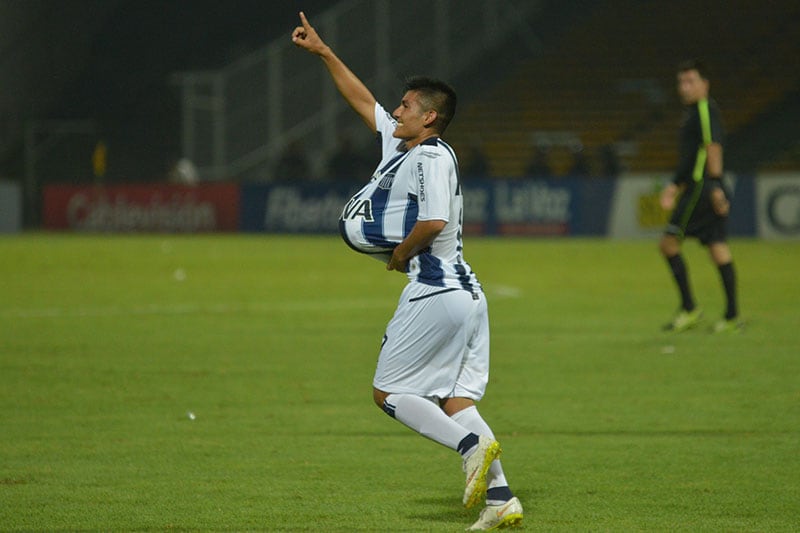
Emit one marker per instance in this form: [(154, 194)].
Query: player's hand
[(719, 203), (667, 198), (395, 263), (306, 37)]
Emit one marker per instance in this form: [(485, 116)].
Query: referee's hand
[(719, 203), (667, 197)]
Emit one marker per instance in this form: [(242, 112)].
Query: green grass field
[(607, 423)]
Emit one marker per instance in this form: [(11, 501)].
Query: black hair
[(437, 95), (694, 64)]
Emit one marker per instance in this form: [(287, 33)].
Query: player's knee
[(669, 246), (452, 406), (720, 253), (378, 396)]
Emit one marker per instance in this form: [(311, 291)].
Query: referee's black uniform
[(694, 215)]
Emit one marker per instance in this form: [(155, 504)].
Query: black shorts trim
[(437, 293)]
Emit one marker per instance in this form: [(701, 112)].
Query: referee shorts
[(436, 344), (695, 217)]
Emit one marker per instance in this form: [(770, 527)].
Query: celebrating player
[(434, 359), (702, 210)]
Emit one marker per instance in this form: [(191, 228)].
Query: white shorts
[(436, 344)]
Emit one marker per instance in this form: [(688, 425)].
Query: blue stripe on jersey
[(455, 164), (412, 210), (373, 230), (391, 162), (348, 242), (463, 277), (430, 270)]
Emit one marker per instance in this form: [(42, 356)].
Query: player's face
[(691, 87), (411, 117)]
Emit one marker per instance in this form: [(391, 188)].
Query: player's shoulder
[(436, 149), (713, 108)]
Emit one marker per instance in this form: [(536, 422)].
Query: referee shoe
[(475, 466), (727, 326), (685, 320), (507, 514)]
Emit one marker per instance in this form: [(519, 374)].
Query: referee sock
[(728, 275), (498, 491), (427, 418), (681, 275)]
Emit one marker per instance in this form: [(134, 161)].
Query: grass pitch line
[(503, 291), (191, 309)]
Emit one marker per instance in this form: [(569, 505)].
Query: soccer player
[(702, 199), (434, 360)]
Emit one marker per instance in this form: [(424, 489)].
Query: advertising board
[(142, 208)]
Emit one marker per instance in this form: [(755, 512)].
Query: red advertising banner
[(148, 208)]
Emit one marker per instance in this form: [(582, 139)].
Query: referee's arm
[(719, 202), (354, 91), (714, 160)]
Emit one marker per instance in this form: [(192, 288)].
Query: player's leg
[(419, 361), (502, 507), (714, 235), (471, 383), (498, 491), (670, 247), (689, 315), (723, 259), (424, 416)]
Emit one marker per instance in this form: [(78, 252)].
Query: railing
[(237, 121)]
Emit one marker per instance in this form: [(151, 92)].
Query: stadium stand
[(603, 76), (608, 80)]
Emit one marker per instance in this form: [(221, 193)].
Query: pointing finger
[(304, 20)]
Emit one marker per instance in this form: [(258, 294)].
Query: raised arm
[(354, 91)]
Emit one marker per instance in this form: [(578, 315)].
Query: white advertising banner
[(778, 206), (635, 209)]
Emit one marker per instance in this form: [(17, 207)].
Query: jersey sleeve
[(385, 126), (434, 173)]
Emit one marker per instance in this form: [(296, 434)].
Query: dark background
[(122, 81), (110, 61)]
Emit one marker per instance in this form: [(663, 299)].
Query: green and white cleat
[(509, 514), (727, 326), (476, 465), (685, 320)]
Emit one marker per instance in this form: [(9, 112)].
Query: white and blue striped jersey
[(418, 184)]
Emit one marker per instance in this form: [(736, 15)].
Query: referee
[(702, 200)]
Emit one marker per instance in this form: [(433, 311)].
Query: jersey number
[(358, 207)]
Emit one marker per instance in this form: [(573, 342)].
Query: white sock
[(471, 419), (426, 418)]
